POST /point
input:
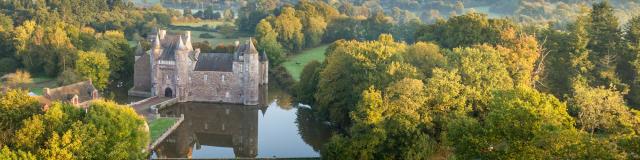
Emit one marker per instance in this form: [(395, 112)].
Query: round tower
[(182, 70), (251, 74)]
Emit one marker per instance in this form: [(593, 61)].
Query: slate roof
[(82, 89), (222, 62)]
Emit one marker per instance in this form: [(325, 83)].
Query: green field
[(219, 38), (211, 23), (41, 82), (296, 63), (159, 126)]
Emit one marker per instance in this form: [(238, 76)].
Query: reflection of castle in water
[(210, 124)]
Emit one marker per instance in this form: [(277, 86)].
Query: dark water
[(273, 129)]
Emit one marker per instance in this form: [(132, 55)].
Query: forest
[(401, 79)]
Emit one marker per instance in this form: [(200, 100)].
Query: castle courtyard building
[(173, 68)]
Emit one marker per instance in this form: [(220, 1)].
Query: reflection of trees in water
[(282, 98), (313, 132), (285, 102), (209, 124)]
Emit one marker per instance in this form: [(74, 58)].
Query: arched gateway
[(168, 92)]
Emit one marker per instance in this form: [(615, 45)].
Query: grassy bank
[(159, 126), (296, 63)]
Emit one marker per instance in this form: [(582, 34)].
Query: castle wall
[(166, 78), (215, 88), (142, 74)]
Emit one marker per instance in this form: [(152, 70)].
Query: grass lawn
[(296, 63), (42, 82), (211, 23), (195, 37), (159, 126)]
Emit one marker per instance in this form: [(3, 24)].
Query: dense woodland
[(475, 87), (403, 79)]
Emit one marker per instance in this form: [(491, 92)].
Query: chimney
[(46, 92)]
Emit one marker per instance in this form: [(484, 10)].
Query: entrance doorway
[(168, 92)]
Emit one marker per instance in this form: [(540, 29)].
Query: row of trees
[(290, 29), (488, 93), (104, 130), (51, 37)]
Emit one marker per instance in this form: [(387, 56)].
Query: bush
[(8, 65), (207, 35)]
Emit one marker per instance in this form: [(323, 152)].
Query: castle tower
[(154, 56), (250, 76), (182, 70)]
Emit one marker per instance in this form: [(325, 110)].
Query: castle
[(173, 68)]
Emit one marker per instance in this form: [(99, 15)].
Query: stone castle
[(173, 68)]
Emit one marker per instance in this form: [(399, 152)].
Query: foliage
[(308, 84), (520, 122), (104, 130), (94, 66), (353, 66), (19, 79)]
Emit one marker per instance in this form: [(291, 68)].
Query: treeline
[(48, 38), (290, 29), (104, 130), (482, 88)]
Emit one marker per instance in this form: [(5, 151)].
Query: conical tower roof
[(156, 42), (180, 44)]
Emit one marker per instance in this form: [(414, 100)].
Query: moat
[(276, 128)]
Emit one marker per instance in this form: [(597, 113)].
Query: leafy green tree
[(520, 123), (387, 126), (289, 29), (465, 30), (605, 42), (353, 66), (19, 79), (600, 110), (15, 106), (483, 70), (425, 57), (94, 66), (308, 84), (268, 43)]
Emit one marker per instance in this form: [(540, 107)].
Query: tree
[(465, 30), (600, 110), (425, 56), (19, 79), (308, 84), (268, 43), (387, 124), (289, 29), (483, 70), (605, 43), (15, 106), (353, 66), (520, 123), (95, 67)]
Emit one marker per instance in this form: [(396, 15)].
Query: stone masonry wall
[(215, 88)]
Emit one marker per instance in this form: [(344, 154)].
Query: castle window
[(222, 78), (205, 77), (226, 95)]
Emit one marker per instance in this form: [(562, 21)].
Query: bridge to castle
[(144, 107)]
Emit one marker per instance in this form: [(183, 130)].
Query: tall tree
[(605, 43), (268, 43), (94, 66)]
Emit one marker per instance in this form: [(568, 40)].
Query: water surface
[(275, 128)]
